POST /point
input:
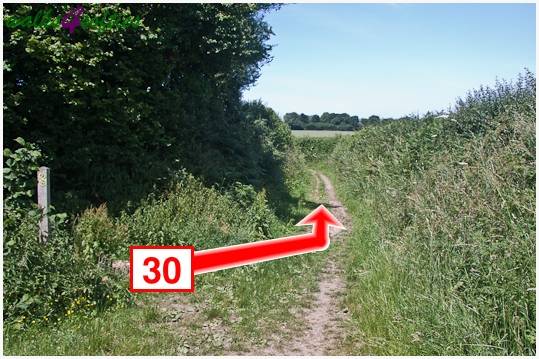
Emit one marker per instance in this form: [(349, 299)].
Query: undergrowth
[(248, 301)]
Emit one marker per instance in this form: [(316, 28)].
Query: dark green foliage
[(372, 120), (452, 220), (267, 141), (20, 170), (190, 213), (328, 121), (477, 112), (117, 111), (331, 121), (97, 237)]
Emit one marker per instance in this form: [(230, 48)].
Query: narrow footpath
[(324, 318)]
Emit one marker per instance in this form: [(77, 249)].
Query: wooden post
[(43, 201)]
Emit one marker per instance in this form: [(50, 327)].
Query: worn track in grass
[(325, 316)]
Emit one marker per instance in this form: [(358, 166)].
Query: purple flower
[(72, 18)]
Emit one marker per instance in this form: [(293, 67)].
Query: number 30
[(166, 265)]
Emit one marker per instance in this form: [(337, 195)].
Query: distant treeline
[(330, 121)]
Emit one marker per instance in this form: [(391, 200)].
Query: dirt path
[(318, 325), (325, 316)]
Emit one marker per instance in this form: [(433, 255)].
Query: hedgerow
[(446, 227), (117, 111)]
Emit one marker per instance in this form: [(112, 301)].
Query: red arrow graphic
[(212, 260)]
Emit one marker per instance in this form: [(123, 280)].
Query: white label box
[(161, 269)]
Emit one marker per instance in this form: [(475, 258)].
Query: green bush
[(255, 204), (118, 111), (20, 168), (479, 110), (190, 213), (97, 237), (44, 282)]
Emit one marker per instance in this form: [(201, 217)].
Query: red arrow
[(212, 260)]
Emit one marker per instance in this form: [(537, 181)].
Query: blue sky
[(391, 59)]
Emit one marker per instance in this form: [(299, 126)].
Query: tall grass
[(316, 149), (442, 258)]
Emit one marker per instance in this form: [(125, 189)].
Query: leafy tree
[(118, 110), (325, 117), (328, 121)]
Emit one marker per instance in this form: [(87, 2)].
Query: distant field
[(319, 133)]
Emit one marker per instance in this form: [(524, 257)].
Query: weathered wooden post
[(43, 201)]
